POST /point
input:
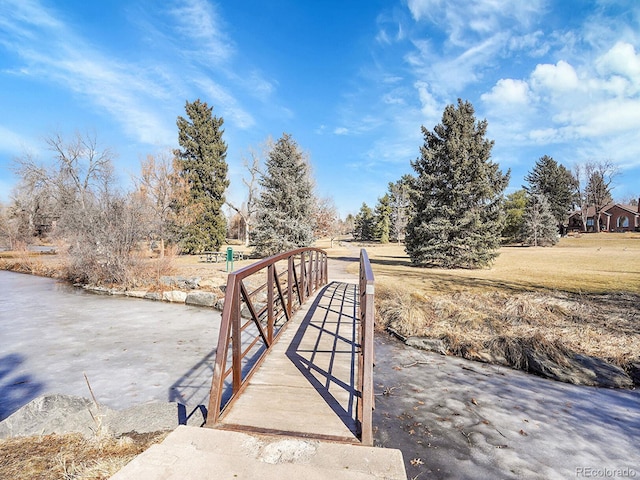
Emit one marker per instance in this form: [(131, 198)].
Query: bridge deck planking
[(307, 383)]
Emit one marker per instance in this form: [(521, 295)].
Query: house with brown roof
[(615, 217)]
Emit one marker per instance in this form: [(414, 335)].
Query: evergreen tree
[(514, 207), (285, 209), (539, 227), (556, 183), (364, 224), (457, 196), (382, 216), (201, 163)]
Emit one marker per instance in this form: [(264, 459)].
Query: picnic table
[(210, 257), (215, 257)]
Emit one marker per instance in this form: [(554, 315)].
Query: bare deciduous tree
[(600, 176), (581, 177), (247, 210), (327, 223), (100, 226), (158, 187)]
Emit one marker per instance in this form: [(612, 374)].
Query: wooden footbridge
[(295, 353), (292, 390)]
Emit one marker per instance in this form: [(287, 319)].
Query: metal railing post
[(270, 317), (365, 380)]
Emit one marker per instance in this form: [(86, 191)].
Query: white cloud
[(558, 78), (393, 99), (429, 106), (341, 131), (508, 92), (621, 68)]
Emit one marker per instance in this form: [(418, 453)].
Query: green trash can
[(229, 259)]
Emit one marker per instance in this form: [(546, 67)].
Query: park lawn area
[(580, 296), (589, 264)]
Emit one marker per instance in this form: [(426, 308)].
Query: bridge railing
[(259, 302), (366, 403)]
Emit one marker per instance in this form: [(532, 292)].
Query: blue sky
[(351, 81)]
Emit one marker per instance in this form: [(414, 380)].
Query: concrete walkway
[(202, 453)]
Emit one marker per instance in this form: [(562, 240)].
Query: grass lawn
[(580, 296), (595, 263)]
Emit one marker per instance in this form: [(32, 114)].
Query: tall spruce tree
[(364, 224), (457, 195), (514, 207), (539, 227), (556, 183), (201, 162), (382, 216), (285, 209)]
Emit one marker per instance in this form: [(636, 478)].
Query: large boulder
[(63, 414), (187, 283), (176, 296), (202, 299)]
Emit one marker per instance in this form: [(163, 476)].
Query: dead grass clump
[(518, 352), (23, 261), (149, 271), (496, 326), (69, 456), (402, 312)]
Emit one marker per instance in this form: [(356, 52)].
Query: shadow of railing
[(325, 342), (16, 390), (191, 390)]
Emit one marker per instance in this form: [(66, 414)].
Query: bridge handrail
[(366, 358), (302, 280)]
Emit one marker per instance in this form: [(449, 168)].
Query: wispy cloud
[(199, 21), (138, 93), (52, 51), (466, 23), (225, 101), (11, 142)]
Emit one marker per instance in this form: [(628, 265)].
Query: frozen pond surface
[(133, 351), (456, 419)]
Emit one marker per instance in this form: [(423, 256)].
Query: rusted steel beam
[(291, 273)]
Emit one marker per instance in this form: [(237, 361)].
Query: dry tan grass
[(70, 457), (595, 263), (582, 296), (473, 322)]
